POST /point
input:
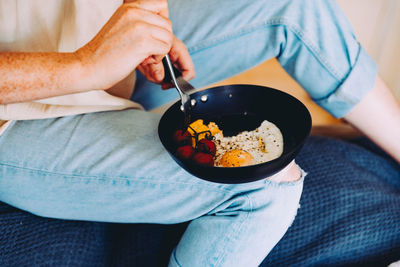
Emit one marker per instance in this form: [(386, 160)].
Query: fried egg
[(249, 147), (236, 158)]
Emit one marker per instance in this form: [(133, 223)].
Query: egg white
[(264, 143)]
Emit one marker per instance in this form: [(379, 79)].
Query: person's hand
[(153, 69), (291, 173), (133, 34)]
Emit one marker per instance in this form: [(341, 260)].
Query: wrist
[(96, 70), (81, 73)]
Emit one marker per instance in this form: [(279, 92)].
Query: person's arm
[(378, 117), (134, 33), (29, 76)]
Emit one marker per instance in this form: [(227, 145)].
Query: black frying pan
[(236, 108)]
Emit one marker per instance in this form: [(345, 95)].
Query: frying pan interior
[(236, 108)]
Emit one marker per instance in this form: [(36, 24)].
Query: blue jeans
[(110, 166)]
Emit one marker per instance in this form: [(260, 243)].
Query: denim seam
[(120, 179), (240, 227), (272, 22)]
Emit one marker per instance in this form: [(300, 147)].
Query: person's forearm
[(378, 117), (30, 76)]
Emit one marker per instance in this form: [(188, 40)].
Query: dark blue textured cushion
[(28, 240)]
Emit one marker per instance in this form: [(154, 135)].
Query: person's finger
[(153, 69), (153, 59), (160, 40), (153, 72), (148, 61), (147, 72), (164, 13), (136, 14), (157, 72), (180, 57), (166, 86), (155, 6)]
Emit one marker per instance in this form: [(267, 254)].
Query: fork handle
[(167, 75)]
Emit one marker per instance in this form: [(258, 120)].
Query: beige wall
[(377, 25)]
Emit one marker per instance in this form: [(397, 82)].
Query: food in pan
[(263, 144), (206, 145), (236, 158)]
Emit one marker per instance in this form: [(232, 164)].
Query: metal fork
[(173, 75)]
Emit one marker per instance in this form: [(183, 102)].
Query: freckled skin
[(30, 76)]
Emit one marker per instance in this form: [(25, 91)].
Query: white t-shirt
[(63, 26)]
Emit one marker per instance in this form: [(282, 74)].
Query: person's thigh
[(311, 39), (78, 167), (94, 160)]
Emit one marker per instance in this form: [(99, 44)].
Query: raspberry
[(182, 138), (206, 146), (203, 159), (185, 152)]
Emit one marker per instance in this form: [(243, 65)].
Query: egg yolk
[(236, 158)]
